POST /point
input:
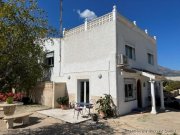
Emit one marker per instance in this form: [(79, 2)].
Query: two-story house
[(108, 55)]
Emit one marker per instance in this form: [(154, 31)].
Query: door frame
[(139, 94), (79, 88)]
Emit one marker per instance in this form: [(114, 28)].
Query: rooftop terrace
[(112, 16)]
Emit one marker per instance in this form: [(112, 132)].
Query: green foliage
[(171, 85), (23, 30), (106, 105), (9, 100), (63, 100)]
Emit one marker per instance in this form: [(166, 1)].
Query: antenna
[(61, 20), (60, 34)]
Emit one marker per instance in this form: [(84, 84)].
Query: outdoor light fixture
[(100, 76), (69, 77), (144, 84)]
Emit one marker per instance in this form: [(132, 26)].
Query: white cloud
[(90, 15)]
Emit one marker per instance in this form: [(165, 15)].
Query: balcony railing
[(90, 25)]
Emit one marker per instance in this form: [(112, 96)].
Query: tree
[(23, 30)]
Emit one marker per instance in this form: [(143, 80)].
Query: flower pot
[(64, 107), (101, 114), (9, 110), (94, 117)]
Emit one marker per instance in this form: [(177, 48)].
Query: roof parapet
[(112, 16), (146, 31), (134, 22)]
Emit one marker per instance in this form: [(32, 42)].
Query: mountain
[(168, 72)]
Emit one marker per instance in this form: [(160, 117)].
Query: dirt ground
[(164, 123)]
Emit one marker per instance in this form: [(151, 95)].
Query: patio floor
[(165, 123), (65, 115)]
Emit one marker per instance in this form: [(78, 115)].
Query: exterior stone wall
[(43, 94), (46, 93)]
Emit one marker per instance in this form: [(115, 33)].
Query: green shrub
[(106, 105), (63, 100), (9, 100), (171, 85)]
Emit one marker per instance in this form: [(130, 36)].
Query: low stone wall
[(174, 78), (46, 93), (173, 93), (43, 93)]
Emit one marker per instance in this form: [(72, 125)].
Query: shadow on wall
[(46, 93), (60, 90), (36, 94)]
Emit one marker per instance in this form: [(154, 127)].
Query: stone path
[(166, 123)]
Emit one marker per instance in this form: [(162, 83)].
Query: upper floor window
[(130, 52), (50, 59), (150, 58)]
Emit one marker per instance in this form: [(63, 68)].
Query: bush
[(174, 104), (9, 100), (16, 96), (171, 85), (26, 100), (106, 105), (63, 100)]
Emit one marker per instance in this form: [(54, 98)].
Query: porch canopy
[(153, 77)]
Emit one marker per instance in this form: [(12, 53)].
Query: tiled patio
[(135, 123), (65, 115)]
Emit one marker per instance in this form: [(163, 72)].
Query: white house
[(173, 78), (108, 55)]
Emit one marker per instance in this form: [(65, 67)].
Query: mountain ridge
[(168, 72)]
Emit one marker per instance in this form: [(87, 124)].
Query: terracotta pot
[(64, 107), (101, 114)]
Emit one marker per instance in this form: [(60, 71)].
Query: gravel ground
[(166, 123)]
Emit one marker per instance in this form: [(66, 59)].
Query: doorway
[(139, 94), (84, 91)]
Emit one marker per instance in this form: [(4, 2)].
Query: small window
[(50, 59), (130, 52), (129, 89), (150, 58)]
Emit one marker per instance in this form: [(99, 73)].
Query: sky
[(160, 17)]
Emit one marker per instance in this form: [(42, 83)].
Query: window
[(50, 59), (130, 52), (130, 90), (150, 59)]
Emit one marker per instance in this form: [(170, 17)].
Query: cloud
[(90, 15)]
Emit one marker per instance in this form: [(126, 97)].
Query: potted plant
[(9, 100), (106, 105), (94, 117), (63, 102), (9, 109)]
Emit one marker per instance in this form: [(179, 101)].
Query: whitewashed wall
[(173, 78), (86, 55), (129, 34), (89, 53), (141, 42), (54, 45)]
